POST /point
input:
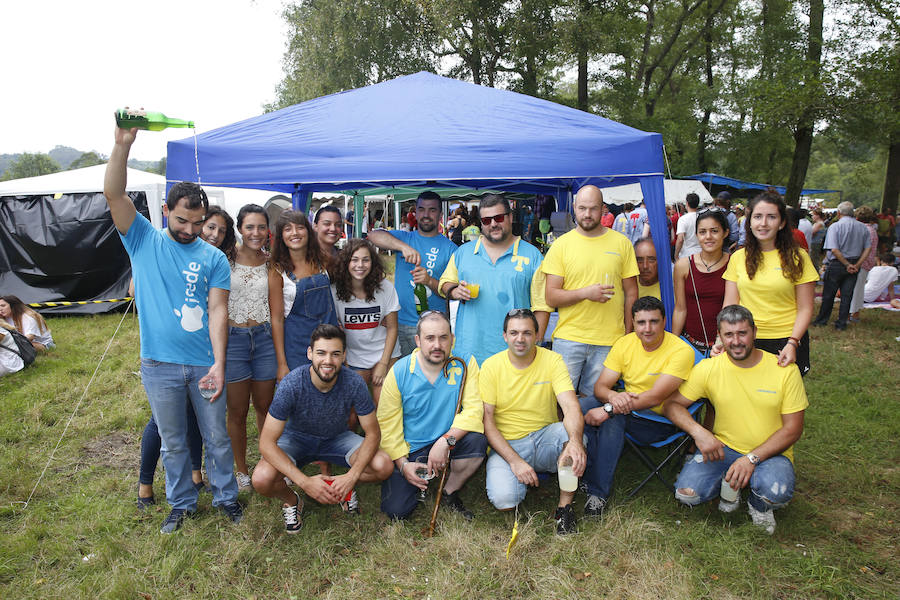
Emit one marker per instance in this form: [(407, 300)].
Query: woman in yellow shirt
[(775, 279)]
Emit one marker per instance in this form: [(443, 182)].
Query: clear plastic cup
[(728, 493)]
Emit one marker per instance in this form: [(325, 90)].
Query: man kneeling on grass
[(307, 421), (759, 416), (520, 388), (422, 430)]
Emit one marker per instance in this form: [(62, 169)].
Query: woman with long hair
[(250, 365), (817, 240), (299, 290), (367, 307), (218, 231), (27, 321), (775, 279), (699, 287)]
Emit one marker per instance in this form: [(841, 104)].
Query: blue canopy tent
[(711, 179), (423, 130)]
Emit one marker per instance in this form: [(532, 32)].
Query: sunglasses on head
[(496, 218)]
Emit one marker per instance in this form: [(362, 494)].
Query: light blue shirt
[(849, 236), (504, 285), (435, 253), (171, 283)]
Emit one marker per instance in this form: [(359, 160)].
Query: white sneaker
[(763, 519), (729, 507), (244, 482)]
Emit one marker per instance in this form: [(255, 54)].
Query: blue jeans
[(540, 449), (170, 388), (837, 278), (251, 354), (605, 443), (406, 334), (771, 484), (151, 443), (584, 362), (398, 496), (313, 305), (303, 449)]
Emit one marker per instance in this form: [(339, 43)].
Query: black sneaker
[(565, 520), (145, 503), (291, 515), (453, 503), (174, 520), (351, 505), (233, 511), (594, 506)]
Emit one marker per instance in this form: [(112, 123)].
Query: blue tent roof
[(737, 184), (430, 131), (419, 128)]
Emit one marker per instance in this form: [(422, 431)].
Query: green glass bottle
[(129, 118), (421, 295)]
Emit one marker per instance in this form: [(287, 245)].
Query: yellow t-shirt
[(748, 402), (640, 369), (770, 296), (524, 399), (649, 290), (582, 261)]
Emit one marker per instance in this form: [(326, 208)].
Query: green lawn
[(81, 536)]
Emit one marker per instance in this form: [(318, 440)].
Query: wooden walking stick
[(459, 397)]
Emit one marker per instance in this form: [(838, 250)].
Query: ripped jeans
[(771, 484)]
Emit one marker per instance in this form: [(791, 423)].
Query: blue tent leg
[(655, 199), (299, 200)]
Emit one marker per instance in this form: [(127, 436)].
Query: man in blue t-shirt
[(181, 290), (422, 256), (307, 421)]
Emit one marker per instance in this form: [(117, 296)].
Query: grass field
[(81, 536)]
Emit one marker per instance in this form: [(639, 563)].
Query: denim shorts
[(303, 448), (251, 354)]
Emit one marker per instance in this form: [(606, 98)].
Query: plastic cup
[(473, 290), (568, 481), (207, 389)]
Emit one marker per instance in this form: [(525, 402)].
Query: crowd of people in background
[(345, 366)]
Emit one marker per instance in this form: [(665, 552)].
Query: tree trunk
[(803, 134), (892, 178), (707, 111)]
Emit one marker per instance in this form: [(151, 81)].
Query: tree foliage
[(740, 87), (31, 165), (87, 159)]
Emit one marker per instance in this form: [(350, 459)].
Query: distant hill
[(65, 156)]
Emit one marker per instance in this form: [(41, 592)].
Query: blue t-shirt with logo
[(435, 253), (308, 411), (171, 284)]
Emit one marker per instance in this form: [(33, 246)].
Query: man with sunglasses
[(422, 255), (592, 279), (507, 271)]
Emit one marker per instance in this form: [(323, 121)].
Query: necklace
[(715, 262)]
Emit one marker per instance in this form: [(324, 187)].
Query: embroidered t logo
[(519, 260), (452, 372)]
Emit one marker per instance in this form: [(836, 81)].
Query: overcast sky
[(65, 66)]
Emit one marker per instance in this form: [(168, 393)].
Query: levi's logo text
[(191, 312), (368, 317)]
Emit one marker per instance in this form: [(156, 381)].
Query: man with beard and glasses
[(419, 422), (591, 278), (181, 290), (759, 417), (307, 422), (422, 255), (506, 270), (327, 225)]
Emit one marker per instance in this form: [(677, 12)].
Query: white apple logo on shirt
[(191, 317)]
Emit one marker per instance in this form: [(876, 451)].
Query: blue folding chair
[(679, 440)]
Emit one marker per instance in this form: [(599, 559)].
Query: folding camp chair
[(679, 440)]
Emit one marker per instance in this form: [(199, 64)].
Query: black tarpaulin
[(63, 247)]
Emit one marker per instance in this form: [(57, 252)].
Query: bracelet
[(795, 344)]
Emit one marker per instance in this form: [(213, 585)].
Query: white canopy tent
[(675, 190)]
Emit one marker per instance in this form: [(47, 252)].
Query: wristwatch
[(754, 459), (608, 408), (451, 441)]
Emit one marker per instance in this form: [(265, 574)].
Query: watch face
[(608, 407), (451, 441)]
